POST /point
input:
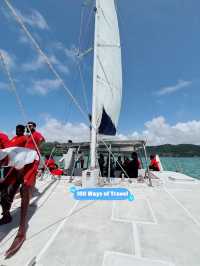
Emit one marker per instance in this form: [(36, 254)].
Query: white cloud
[(55, 130), (34, 65), (62, 67), (34, 18), (4, 86), (58, 46), (181, 84), (43, 87), (23, 39), (71, 53), (39, 62), (156, 132), (10, 60)]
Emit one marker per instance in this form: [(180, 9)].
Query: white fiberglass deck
[(160, 228)]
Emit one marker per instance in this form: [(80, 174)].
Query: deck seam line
[(135, 221), (16, 202), (136, 241), (154, 222), (106, 253), (183, 207), (4, 241), (121, 221), (112, 213), (152, 211), (54, 235)]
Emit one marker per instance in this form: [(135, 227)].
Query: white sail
[(108, 73)]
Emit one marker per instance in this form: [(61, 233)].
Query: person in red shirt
[(27, 178), (3, 140), (18, 178), (19, 140), (50, 162), (57, 172), (154, 165), (11, 183), (34, 139), (51, 165)]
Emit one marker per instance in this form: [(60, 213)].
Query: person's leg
[(8, 190), (25, 192), (29, 175), (82, 164), (21, 234), (135, 173), (5, 204)]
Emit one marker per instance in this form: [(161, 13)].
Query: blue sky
[(161, 66)]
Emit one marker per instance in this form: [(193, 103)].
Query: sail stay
[(108, 75)]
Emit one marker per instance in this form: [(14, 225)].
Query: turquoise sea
[(189, 166)]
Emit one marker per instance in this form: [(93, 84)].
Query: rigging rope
[(80, 54), (55, 73), (12, 85), (44, 56), (89, 20), (19, 101), (83, 87), (81, 26)]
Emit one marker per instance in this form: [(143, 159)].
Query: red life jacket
[(50, 163), (155, 165), (17, 141), (38, 138), (57, 172)]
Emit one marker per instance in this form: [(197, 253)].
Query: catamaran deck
[(160, 228)]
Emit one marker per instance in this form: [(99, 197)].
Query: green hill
[(168, 150), (181, 150)]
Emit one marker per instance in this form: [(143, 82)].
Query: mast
[(93, 144)]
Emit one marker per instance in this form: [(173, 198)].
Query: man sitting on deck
[(52, 166), (50, 162), (154, 164)]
